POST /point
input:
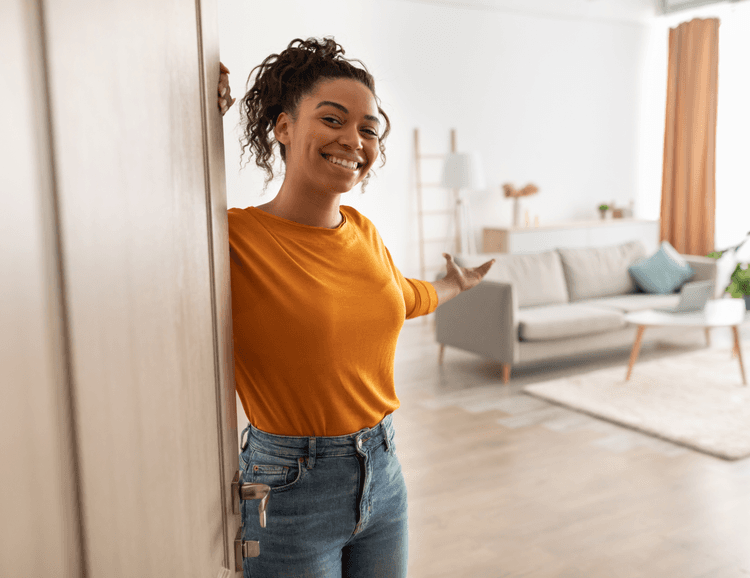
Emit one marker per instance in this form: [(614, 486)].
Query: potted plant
[(603, 210), (739, 285)]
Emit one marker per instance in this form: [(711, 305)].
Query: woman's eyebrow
[(344, 109)]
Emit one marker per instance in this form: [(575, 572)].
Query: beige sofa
[(538, 307)]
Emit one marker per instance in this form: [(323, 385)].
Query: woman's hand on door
[(225, 93)]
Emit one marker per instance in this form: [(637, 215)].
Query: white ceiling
[(623, 10)]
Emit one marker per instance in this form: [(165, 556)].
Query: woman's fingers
[(478, 273), (481, 269), (485, 267), (224, 105), (225, 92), (223, 85), (466, 277)]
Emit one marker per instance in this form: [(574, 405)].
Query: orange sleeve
[(420, 296), (425, 298)]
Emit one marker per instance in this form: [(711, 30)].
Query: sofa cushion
[(662, 273), (538, 277), (633, 302), (592, 272), (562, 321)]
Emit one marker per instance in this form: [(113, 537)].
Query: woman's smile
[(350, 166)]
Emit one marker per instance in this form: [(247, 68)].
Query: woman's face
[(337, 122)]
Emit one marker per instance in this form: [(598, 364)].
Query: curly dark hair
[(281, 83)]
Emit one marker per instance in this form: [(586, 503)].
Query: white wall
[(572, 104), (552, 102)]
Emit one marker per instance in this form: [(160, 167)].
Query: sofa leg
[(440, 355), (506, 373)]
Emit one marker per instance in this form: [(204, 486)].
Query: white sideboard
[(571, 234)]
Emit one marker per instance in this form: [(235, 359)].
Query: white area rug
[(694, 399)]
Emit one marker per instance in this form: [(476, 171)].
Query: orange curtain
[(688, 194)]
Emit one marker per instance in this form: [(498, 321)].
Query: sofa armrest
[(482, 320), (705, 267)]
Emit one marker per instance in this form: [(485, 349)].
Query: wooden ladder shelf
[(421, 213)]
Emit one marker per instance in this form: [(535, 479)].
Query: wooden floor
[(517, 491)]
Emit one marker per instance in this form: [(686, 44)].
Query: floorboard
[(523, 488)]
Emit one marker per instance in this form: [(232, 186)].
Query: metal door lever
[(244, 549), (260, 492)]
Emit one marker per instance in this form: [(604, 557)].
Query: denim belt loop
[(244, 441), (311, 450), (386, 436)]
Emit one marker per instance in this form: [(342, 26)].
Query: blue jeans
[(337, 506)]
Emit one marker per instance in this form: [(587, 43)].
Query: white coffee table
[(718, 313)]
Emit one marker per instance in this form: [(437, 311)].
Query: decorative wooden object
[(511, 192)]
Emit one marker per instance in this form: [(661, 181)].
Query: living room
[(119, 414), (569, 96)]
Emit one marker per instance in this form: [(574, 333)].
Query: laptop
[(693, 297)]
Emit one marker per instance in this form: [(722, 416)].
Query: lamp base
[(516, 212)]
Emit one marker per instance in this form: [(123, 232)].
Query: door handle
[(244, 549), (241, 491), (262, 492)]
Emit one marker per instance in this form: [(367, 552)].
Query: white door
[(118, 426)]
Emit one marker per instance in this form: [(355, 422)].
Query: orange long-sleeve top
[(316, 315)]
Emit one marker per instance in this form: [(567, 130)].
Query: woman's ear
[(281, 129)]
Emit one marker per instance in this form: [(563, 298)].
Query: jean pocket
[(280, 473)]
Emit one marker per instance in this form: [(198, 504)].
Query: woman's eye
[(368, 131)]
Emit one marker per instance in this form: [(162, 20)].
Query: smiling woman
[(330, 144), (300, 68), (317, 307)]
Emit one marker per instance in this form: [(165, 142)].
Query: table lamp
[(463, 171)]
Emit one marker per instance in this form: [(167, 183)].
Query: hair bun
[(326, 48)]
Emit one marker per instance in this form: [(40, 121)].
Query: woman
[(317, 306)]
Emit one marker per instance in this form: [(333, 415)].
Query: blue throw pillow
[(664, 272)]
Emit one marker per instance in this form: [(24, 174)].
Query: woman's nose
[(351, 138)]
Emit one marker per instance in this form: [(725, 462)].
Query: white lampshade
[(463, 171)]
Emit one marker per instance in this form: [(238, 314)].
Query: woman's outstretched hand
[(466, 278), (225, 93), (459, 279)]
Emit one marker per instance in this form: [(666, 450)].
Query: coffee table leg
[(738, 349), (636, 349)]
